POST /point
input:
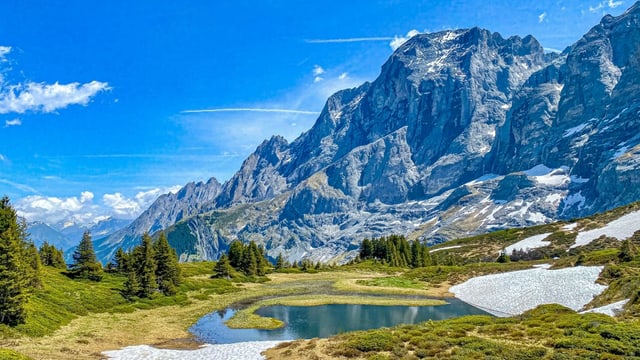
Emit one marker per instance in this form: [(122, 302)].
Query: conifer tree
[(279, 262), (222, 269), (236, 254), (121, 261), (131, 285), (86, 265), (52, 256), (145, 267), (32, 256), (15, 269), (366, 249), (167, 269)]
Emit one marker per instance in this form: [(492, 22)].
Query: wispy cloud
[(3, 158), (611, 4), (4, 50), (348, 40), (263, 110), (41, 97), (542, 16), (14, 122), (21, 187), (397, 41)]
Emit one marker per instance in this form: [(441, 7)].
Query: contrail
[(286, 111), (346, 40)]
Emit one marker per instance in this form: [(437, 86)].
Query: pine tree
[(145, 267), (131, 285), (34, 270), (86, 265), (52, 256), (167, 269), (503, 258), (121, 261), (15, 270), (279, 263), (366, 249), (236, 254), (222, 269)]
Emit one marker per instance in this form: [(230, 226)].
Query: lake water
[(305, 322)]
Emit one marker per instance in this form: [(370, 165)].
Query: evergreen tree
[(167, 269), (131, 285), (121, 261), (145, 267), (366, 249), (279, 263), (15, 269), (52, 256), (33, 258), (86, 265), (250, 263), (222, 269), (503, 258), (236, 254)]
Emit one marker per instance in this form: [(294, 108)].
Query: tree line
[(248, 258), (395, 250), (150, 267)]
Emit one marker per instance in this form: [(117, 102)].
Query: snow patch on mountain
[(621, 229)]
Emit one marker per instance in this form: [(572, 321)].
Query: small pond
[(305, 322)]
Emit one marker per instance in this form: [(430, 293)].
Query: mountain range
[(463, 132)]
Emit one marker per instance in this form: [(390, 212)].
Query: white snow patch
[(532, 242), (621, 229), (553, 198), (574, 199), (505, 106), (537, 217), (446, 248), (547, 176), (574, 130), (515, 292), (538, 170), (611, 309), (238, 351), (570, 227), (578, 180)]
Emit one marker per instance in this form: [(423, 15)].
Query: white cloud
[(3, 158), (542, 16), (611, 4), (343, 76), (4, 50), (317, 79), (318, 70), (86, 196), (399, 40), (83, 211), (14, 122), (46, 98)]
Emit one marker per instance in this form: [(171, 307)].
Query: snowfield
[(611, 309), (621, 229), (237, 351), (515, 292), (533, 242)]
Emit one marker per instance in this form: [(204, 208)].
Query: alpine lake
[(306, 322)]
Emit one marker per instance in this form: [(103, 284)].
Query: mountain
[(464, 132), (165, 211), (66, 236)]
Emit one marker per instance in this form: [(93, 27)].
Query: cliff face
[(463, 132)]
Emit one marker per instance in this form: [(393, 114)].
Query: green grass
[(6, 354), (392, 281)]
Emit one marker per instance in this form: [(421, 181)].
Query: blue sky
[(101, 101)]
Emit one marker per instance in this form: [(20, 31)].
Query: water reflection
[(304, 322)]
